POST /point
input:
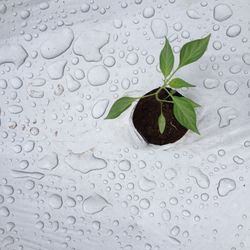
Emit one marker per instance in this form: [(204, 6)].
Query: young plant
[(183, 107)]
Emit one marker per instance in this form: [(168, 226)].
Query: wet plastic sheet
[(70, 179)]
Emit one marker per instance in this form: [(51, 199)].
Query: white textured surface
[(70, 179)]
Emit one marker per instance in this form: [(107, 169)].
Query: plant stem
[(156, 94), (166, 81)]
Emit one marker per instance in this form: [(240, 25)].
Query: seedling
[(183, 107)]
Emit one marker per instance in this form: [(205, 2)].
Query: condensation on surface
[(70, 179)]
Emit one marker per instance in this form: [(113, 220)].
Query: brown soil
[(145, 119)]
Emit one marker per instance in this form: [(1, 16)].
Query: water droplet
[(1, 199), (7, 190), (16, 82), (23, 164), (56, 69), (148, 12), (93, 163), (233, 30), (15, 109), (124, 165), (35, 93), (98, 75), (211, 83), (3, 8), (226, 186), (55, 45), (170, 173), (48, 162), (85, 7), (55, 201), (15, 54), (166, 215), (201, 179), (44, 5), (175, 230), (94, 204), (159, 28), (4, 212), (245, 58), (38, 82), (72, 84), (238, 160), (193, 14), (146, 184), (173, 201), (125, 83), (26, 174), (29, 184), (3, 84), (204, 196), (89, 44), (96, 225), (99, 108), (7, 241), (132, 58), (231, 87), (226, 114), (29, 146), (70, 202), (117, 23), (235, 69), (222, 12), (144, 203)]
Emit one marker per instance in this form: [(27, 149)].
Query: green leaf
[(120, 106), (161, 123), (185, 114), (166, 59), (194, 104), (193, 51), (178, 83)]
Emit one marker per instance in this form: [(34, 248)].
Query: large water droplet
[(233, 30), (144, 203), (15, 109), (226, 114), (92, 163), (148, 12), (16, 82), (72, 84), (13, 54), (226, 186), (99, 108), (132, 58), (94, 204), (56, 69), (231, 87), (124, 165), (4, 212), (48, 162), (98, 75), (159, 28), (211, 83), (222, 12), (89, 44), (55, 201), (55, 45)]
